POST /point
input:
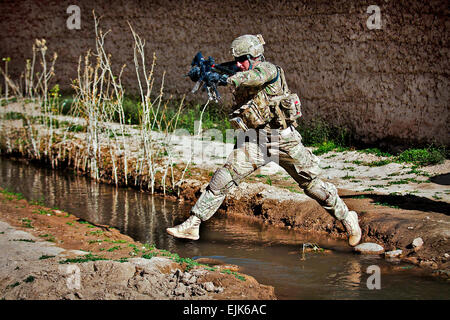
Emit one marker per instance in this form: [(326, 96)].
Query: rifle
[(206, 72)]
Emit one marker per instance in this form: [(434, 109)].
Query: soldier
[(263, 102)]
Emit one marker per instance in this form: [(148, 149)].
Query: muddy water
[(271, 255)]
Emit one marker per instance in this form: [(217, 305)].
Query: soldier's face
[(243, 65)]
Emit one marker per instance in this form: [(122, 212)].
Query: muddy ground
[(51, 254)]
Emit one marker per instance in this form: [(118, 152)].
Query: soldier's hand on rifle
[(216, 78)]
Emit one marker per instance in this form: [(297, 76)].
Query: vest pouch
[(256, 112), (254, 116), (291, 107)]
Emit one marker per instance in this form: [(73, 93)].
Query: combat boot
[(187, 230), (354, 231)]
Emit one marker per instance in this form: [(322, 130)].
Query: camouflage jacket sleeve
[(260, 74)]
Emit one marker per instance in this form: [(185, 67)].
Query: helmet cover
[(248, 45)]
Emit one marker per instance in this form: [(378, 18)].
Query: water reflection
[(272, 255)]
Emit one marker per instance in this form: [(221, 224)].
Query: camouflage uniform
[(256, 89), (297, 160)]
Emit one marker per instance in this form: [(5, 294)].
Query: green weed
[(13, 116), (12, 195), (150, 246), (26, 223), (149, 255), (43, 257), (292, 189), (38, 202), (15, 284), (378, 163), (359, 196), (88, 224), (318, 132), (96, 233), (118, 241), (76, 128), (49, 237), (324, 147), (95, 241), (376, 152), (238, 276), (423, 157), (386, 205), (114, 248), (43, 212), (347, 177), (86, 258)]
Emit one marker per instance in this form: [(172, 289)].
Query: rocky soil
[(44, 257)]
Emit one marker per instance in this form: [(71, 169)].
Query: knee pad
[(221, 182)]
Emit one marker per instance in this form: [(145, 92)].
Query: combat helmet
[(248, 45)]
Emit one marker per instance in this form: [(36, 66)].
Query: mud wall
[(388, 85)]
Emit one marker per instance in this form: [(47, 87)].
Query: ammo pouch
[(254, 114), (288, 105), (284, 109), (291, 107), (287, 109)]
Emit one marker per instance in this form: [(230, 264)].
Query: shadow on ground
[(407, 202), (443, 179)]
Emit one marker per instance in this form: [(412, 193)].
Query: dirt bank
[(51, 254), (391, 221)]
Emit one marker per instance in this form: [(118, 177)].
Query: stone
[(393, 254), (417, 243), (413, 260), (192, 280), (369, 248), (180, 290), (209, 286), (198, 291), (428, 264), (199, 272), (442, 273), (186, 277), (74, 252)]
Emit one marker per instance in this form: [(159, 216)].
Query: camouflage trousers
[(282, 146)]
